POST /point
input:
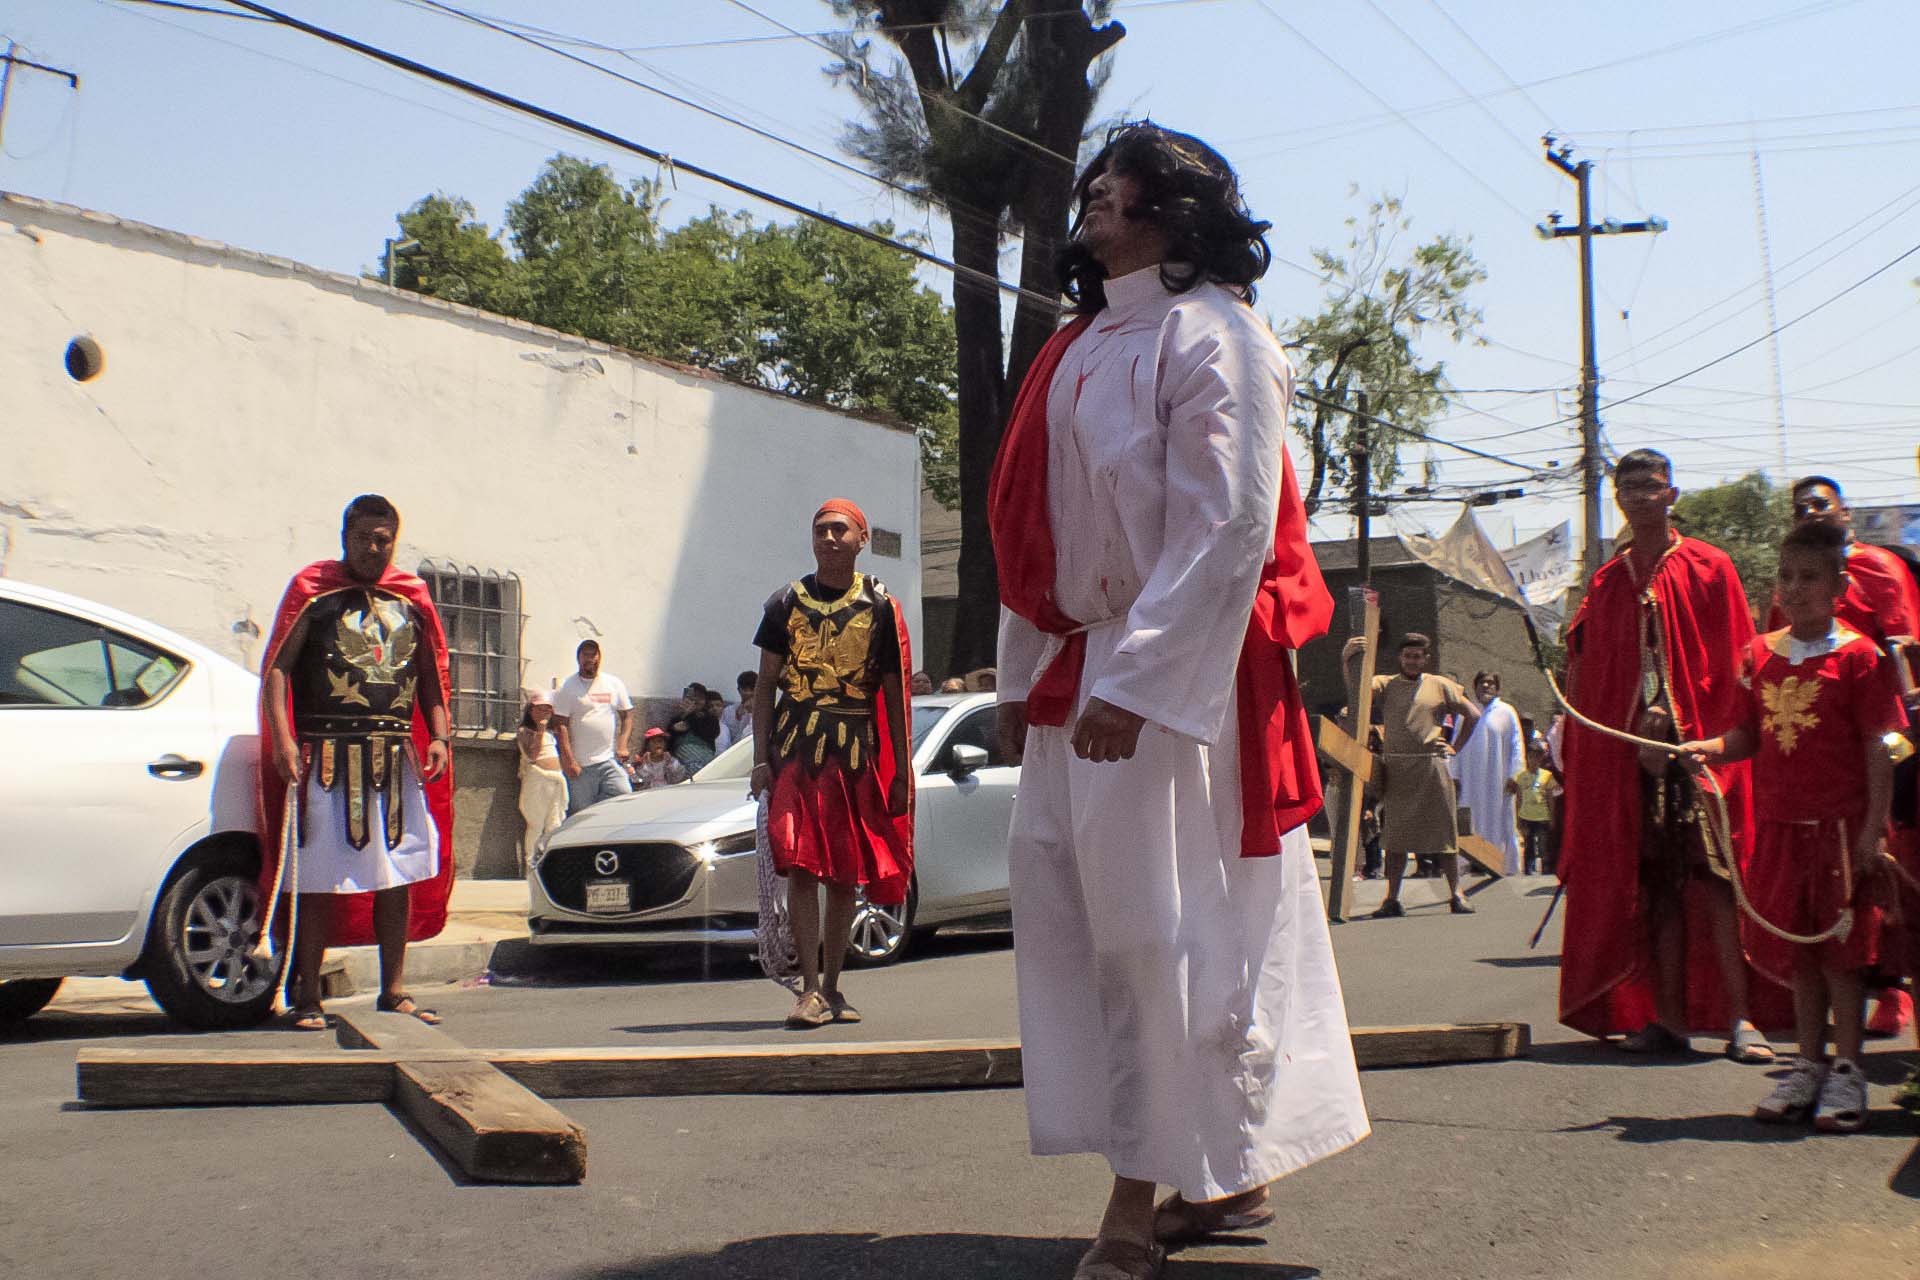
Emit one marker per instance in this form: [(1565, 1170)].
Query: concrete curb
[(357, 969)]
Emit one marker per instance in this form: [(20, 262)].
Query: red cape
[(1606, 966), (883, 768), (1882, 599), (353, 913), (1279, 774)]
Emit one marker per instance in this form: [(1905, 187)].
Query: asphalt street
[(1577, 1162)]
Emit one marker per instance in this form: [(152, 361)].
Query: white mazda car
[(676, 864), (128, 811)]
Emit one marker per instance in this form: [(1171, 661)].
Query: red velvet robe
[(353, 913), (1606, 968)]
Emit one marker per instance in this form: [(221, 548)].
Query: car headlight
[(726, 847), (539, 853)]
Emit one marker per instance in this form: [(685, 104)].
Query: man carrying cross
[(1180, 1012)]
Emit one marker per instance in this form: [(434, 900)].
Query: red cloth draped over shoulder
[(1279, 772), (353, 913), (1606, 966)]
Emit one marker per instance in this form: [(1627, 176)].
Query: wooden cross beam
[(486, 1108), (1351, 754)]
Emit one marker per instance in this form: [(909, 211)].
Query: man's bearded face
[(1413, 660), (367, 547)]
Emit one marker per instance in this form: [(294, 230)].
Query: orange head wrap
[(841, 506)]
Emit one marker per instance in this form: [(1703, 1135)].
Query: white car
[(676, 864), (128, 810)]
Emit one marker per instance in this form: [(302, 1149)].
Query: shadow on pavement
[(521, 964), (1906, 1179), (1711, 1128), (90, 1024), (924, 1257), (1602, 1053), (736, 1024), (1522, 962)]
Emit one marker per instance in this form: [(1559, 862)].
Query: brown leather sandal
[(1114, 1259), (1177, 1220)]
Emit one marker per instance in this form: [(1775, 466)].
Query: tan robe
[(1418, 799)]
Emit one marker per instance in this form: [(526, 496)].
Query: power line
[(1406, 432), (571, 124), (952, 209), (1749, 345)]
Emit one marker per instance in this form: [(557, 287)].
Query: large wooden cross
[(487, 1109), (1349, 752)]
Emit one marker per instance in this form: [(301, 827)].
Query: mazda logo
[(606, 862)]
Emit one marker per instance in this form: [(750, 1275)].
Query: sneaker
[(1793, 1098), (1843, 1100), (1892, 1014), (1390, 910)]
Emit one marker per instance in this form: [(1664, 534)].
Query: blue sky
[(268, 139)]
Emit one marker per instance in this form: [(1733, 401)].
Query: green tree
[(1746, 518), (1381, 299), (455, 256), (803, 309), (983, 114)]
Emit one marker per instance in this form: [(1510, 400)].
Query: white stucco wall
[(245, 399)]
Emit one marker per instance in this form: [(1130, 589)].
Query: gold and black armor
[(354, 685), (827, 690)]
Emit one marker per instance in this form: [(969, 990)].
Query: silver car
[(676, 864)]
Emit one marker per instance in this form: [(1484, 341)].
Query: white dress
[(1482, 766), (1180, 1011)]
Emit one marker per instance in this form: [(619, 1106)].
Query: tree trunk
[(981, 390)]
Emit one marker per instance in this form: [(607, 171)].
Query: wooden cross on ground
[(487, 1110), (1349, 753)]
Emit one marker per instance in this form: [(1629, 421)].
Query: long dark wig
[(1188, 191)]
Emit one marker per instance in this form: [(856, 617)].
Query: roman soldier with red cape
[(1676, 639), (353, 913)]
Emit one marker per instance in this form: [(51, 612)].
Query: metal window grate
[(481, 611)]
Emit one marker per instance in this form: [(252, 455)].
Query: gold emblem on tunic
[(379, 639), (1788, 710)]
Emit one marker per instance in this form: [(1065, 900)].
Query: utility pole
[(1360, 465), (1592, 465), (7, 63)]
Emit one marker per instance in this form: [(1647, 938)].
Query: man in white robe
[(1485, 765), (1180, 1010)]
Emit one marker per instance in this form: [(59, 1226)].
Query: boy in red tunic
[(1652, 942), (1820, 695), (832, 755), (1881, 602)]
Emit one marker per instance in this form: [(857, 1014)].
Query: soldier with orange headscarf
[(833, 757)]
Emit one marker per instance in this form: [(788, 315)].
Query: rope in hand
[(286, 870), (1842, 925)]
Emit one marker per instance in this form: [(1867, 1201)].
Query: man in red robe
[(354, 728), (1652, 944), (1881, 602)]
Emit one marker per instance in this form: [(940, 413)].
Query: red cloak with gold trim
[(1606, 966), (353, 913)]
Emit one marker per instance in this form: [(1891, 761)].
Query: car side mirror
[(966, 759)]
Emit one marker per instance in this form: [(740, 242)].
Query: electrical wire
[(978, 278)]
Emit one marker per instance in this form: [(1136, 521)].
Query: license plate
[(609, 896)]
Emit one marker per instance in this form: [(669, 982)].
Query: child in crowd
[(1819, 698), (1535, 787)]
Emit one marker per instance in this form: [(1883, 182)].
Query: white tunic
[(330, 864), (1485, 761), (1180, 1012)]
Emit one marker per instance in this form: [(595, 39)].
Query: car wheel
[(21, 998), (880, 935), (199, 961)]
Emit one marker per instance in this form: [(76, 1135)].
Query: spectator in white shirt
[(593, 719), (737, 723)]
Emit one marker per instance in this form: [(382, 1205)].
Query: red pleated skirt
[(1795, 881), (834, 825)]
